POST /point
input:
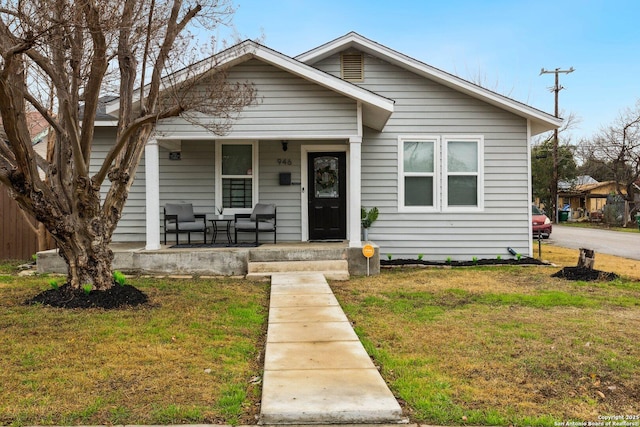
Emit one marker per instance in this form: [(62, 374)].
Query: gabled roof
[(540, 121), (376, 109)]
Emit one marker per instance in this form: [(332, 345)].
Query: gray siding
[(286, 105), (425, 107), (131, 227), (188, 180)]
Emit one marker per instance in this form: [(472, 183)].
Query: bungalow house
[(588, 199), (349, 124)]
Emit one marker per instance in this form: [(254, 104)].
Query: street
[(618, 243)]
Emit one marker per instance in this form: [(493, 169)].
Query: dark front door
[(327, 196)]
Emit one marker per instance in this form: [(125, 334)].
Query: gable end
[(352, 66)]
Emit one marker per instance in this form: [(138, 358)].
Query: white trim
[(435, 139), (354, 193), (530, 190), (479, 139), (205, 135), (304, 179), (541, 121), (255, 174), (152, 193)]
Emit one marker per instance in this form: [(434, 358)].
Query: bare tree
[(614, 152), (79, 48)]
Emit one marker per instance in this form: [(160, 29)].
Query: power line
[(554, 184)]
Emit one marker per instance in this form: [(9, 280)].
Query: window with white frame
[(418, 165), (462, 172), (440, 173), (236, 186)]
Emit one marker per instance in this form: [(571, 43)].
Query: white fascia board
[(106, 123), (540, 121)]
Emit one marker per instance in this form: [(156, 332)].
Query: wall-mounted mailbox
[(285, 178)]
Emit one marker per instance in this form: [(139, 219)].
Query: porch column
[(152, 188), (355, 191)]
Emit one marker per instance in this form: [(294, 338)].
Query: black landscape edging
[(406, 262)]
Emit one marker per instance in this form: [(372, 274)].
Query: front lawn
[(191, 356), (477, 346), (503, 346)]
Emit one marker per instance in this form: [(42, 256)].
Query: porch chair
[(179, 218), (261, 219)]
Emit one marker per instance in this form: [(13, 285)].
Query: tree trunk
[(587, 258), (83, 236), (89, 259)]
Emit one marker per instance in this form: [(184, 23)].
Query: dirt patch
[(585, 274), (485, 261), (67, 297)]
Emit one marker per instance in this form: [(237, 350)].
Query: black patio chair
[(261, 220), (179, 218)]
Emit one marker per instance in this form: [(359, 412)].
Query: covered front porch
[(333, 259), (315, 186)]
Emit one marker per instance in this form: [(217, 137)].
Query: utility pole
[(554, 184)]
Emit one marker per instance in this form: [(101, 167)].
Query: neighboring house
[(352, 123), (587, 200)]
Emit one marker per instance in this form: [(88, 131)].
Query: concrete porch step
[(285, 252), (331, 269)]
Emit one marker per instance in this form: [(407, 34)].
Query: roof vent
[(352, 66)]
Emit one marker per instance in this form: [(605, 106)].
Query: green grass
[(500, 346), (188, 357), (473, 346)]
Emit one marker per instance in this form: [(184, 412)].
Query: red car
[(541, 224)]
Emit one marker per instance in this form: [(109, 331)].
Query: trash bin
[(563, 216), (638, 220)]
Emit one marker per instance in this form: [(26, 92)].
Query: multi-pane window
[(236, 176), (419, 172), (462, 172), (440, 173)]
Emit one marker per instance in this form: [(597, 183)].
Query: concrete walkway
[(316, 370)]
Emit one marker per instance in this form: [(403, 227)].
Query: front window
[(462, 173), (235, 168), (429, 181), (418, 167)]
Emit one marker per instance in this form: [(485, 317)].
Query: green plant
[(420, 256), (54, 284), (368, 217), (499, 257), (474, 259), (389, 256), (87, 288), (518, 257), (119, 277), (448, 260), (34, 257)]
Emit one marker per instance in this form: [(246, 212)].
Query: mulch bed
[(485, 261), (585, 274), (67, 297)]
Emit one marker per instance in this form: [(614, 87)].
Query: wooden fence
[(18, 240)]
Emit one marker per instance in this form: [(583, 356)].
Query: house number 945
[(283, 162)]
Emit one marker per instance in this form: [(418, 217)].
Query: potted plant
[(220, 211), (367, 218)]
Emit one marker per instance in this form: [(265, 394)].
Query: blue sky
[(503, 43)]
